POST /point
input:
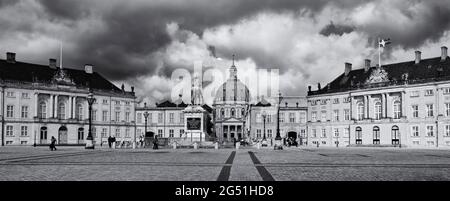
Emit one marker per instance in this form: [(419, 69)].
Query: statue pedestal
[(195, 123)]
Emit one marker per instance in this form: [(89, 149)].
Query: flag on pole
[(384, 42)]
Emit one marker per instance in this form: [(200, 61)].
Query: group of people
[(142, 141)]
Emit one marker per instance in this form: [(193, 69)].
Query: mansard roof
[(21, 72), (427, 70)]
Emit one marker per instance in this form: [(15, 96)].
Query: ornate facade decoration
[(377, 75)]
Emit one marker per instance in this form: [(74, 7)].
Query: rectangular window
[(104, 132), (446, 90), (336, 101), (281, 117), (336, 115), (181, 118), (430, 110), (347, 114), (313, 133), (105, 101), (269, 133), (127, 132), (347, 100), (160, 117), (10, 94), (104, 115), (415, 111), (415, 94), (171, 117), (313, 116), (336, 132), (430, 131), (429, 92), (447, 109), (324, 133), (415, 131), (127, 116), (171, 132), (302, 117), (118, 132), (10, 111), (9, 131), (139, 118), (447, 130), (24, 131), (25, 96), (323, 116), (258, 133), (160, 133), (291, 117), (94, 115), (24, 112)]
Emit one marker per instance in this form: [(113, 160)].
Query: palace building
[(43, 101), (400, 104)]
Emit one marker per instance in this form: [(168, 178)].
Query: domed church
[(231, 105)]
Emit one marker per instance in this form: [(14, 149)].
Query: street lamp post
[(264, 115), (146, 116), (278, 143), (90, 140)]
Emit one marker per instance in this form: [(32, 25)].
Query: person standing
[(109, 141), (155, 142)]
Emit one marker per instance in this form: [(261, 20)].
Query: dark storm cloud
[(336, 29)]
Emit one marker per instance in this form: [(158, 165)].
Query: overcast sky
[(140, 42)]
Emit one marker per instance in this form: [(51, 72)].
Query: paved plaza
[(248, 164)]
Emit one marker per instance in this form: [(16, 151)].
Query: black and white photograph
[(221, 99)]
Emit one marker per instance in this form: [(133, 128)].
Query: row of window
[(141, 117), (81, 134), (231, 112), (160, 133), (270, 118)]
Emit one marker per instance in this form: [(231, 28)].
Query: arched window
[(376, 135), (395, 135), (80, 111), (233, 112), (42, 110), (397, 109), (242, 112), (43, 133), (358, 135), (360, 111), (378, 109), (80, 133), (222, 113), (61, 111)]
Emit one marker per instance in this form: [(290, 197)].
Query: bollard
[(174, 145), (216, 145), (114, 145), (195, 145), (258, 145), (237, 145), (134, 145)]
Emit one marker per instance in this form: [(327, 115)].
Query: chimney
[(132, 89), (443, 53), (52, 63), (366, 65), (123, 87), (88, 68), (309, 88), (418, 53), (318, 86), (11, 57), (348, 68)]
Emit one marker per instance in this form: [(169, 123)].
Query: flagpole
[(379, 53)]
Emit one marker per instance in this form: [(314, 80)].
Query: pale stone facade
[(33, 109)]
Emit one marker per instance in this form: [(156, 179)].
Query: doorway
[(62, 135)]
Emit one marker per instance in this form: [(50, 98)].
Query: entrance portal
[(62, 135), (292, 135)]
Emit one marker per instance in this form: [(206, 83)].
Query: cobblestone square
[(247, 164)]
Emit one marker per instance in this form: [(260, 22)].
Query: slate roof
[(427, 70), (35, 73)]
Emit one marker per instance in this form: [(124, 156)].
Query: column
[(366, 105), (55, 111), (36, 106), (51, 106), (71, 106), (403, 101), (74, 101), (228, 133), (383, 106)]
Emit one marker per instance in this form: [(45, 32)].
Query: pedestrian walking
[(155, 142), (53, 144), (109, 141)]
